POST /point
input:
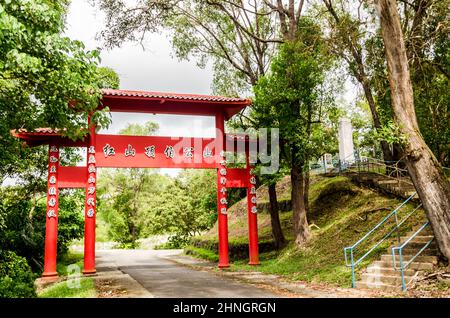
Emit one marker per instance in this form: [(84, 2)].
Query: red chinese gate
[(147, 152)]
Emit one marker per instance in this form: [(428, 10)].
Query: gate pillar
[(252, 215), (51, 222), (90, 207), (222, 193)]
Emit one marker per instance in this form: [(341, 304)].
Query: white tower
[(346, 152)]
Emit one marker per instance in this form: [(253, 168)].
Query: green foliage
[(122, 198), (185, 208), (108, 78), (390, 133), (136, 203), (148, 129), (428, 51), (291, 96), (16, 278), (24, 223), (40, 73)]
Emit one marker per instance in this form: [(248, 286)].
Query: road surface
[(162, 277)]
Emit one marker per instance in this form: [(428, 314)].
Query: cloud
[(152, 69)]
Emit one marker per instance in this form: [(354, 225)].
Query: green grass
[(343, 213), (74, 287), (202, 253), (69, 289), (70, 258)]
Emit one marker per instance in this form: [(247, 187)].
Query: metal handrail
[(390, 171), (350, 249), (400, 248)]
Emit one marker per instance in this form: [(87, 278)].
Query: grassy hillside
[(340, 214)]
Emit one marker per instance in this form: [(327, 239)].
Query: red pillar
[(221, 193), (90, 207), (252, 216), (51, 222)]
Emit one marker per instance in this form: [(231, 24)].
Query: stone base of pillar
[(50, 277), (91, 272), (254, 263)]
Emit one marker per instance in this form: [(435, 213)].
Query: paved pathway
[(162, 277)]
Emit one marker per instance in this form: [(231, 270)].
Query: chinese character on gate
[(207, 153), (52, 191), (51, 214), (150, 151), (90, 202), (169, 152), (130, 151), (108, 151), (52, 202), (188, 152)]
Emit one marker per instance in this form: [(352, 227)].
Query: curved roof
[(172, 103)]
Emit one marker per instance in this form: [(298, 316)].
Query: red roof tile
[(128, 93)]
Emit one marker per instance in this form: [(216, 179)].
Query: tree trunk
[(426, 173), (277, 232), (301, 229)]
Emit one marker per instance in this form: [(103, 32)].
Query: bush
[(16, 278), (23, 223)]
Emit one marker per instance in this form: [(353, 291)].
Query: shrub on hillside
[(16, 277), (22, 224)]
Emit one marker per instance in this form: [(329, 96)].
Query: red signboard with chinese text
[(154, 152)]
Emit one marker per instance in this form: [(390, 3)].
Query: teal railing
[(404, 265), (349, 251)]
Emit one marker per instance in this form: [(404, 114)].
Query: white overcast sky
[(152, 69)]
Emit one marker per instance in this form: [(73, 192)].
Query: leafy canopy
[(41, 72)]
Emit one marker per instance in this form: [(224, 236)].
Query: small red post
[(90, 207), (252, 216), (51, 222), (221, 193)]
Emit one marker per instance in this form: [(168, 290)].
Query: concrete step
[(420, 258), (417, 246), (389, 271), (386, 181), (388, 279), (425, 252), (418, 239), (378, 285), (428, 231), (414, 265)]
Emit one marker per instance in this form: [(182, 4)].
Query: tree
[(108, 78), (40, 73), (289, 97), (122, 194), (347, 37), (425, 171), (425, 28), (186, 207)]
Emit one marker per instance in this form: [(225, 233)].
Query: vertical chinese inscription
[(252, 191), (92, 179), (52, 195), (222, 193)]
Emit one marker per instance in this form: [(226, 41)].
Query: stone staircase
[(382, 275), (401, 187)]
